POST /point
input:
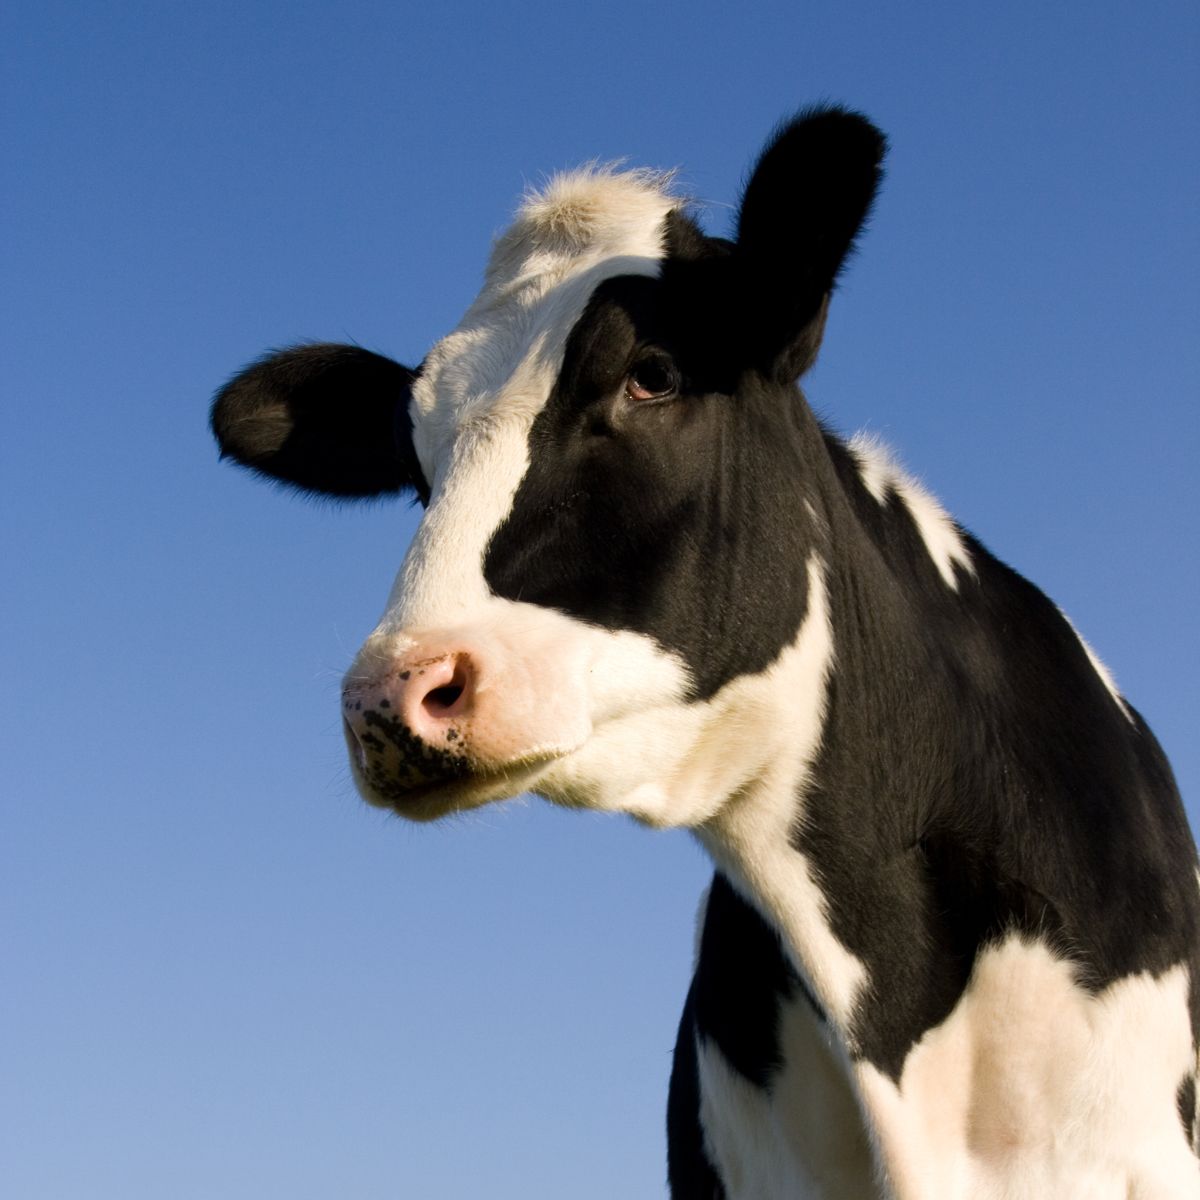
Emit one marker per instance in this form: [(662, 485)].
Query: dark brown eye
[(652, 378)]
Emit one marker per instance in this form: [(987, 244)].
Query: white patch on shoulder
[(880, 473), (1035, 1088), (804, 1137)]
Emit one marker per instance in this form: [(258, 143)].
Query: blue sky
[(225, 976)]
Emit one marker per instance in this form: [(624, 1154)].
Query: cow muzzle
[(410, 728), (434, 723)]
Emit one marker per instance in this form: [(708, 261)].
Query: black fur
[(805, 204), (1185, 1101), (686, 518), (690, 1173), (975, 779), (742, 976), (653, 516), (323, 418)]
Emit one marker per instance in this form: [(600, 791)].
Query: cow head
[(618, 582)]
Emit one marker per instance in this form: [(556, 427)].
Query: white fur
[(481, 387), (1106, 676), (803, 1139), (681, 764), (1033, 1088), (498, 366), (880, 474)]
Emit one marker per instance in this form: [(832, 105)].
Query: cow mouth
[(427, 800)]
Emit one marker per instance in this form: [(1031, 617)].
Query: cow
[(952, 943)]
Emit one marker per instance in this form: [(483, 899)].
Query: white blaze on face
[(481, 387), (549, 679)]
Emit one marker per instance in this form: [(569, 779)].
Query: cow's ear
[(804, 205), (324, 418)]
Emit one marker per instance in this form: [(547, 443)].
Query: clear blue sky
[(224, 977)]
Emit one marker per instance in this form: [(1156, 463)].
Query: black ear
[(806, 201), (324, 418)]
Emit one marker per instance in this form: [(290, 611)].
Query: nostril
[(448, 699), (442, 698)]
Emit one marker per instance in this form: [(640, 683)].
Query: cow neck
[(927, 823)]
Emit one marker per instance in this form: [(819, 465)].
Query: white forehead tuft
[(582, 216), (500, 362)]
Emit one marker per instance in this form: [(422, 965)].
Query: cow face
[(617, 585)]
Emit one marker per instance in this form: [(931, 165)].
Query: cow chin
[(432, 801)]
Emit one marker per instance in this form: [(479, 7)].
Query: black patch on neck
[(977, 780)]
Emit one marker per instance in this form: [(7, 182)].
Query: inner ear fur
[(806, 202), (325, 418)]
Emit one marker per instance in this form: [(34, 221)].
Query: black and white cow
[(951, 943)]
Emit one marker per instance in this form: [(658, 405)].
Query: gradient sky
[(225, 977)]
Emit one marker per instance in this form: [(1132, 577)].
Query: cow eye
[(652, 378)]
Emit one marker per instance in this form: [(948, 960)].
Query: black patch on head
[(684, 240), (683, 516), (680, 518), (324, 418)]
